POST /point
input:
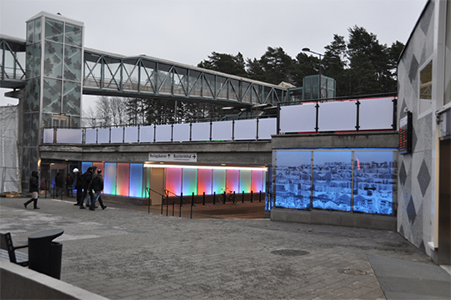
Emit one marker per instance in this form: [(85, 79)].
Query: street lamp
[(320, 59)]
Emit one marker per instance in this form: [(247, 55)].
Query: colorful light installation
[(109, 178), (219, 181), (123, 178), (174, 181), (245, 181), (233, 181), (136, 180), (85, 166), (189, 181), (133, 179), (257, 182), (204, 181)]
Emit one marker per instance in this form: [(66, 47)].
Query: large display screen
[(359, 180)]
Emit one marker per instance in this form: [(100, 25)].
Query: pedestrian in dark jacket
[(59, 183), (97, 186), (78, 185), (34, 190), (86, 179)]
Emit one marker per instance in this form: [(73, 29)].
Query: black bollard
[(252, 196), (214, 198), (260, 197), (242, 197), (192, 205), (203, 199)]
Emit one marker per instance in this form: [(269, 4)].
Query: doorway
[(444, 223)]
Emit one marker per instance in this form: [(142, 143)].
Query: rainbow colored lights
[(132, 179)]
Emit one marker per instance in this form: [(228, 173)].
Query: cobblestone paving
[(129, 254)]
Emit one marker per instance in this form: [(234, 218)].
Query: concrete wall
[(250, 153), (22, 283), (334, 218), (349, 140)]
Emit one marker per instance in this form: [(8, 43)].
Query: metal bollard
[(242, 197), (214, 198), (252, 196), (203, 199)]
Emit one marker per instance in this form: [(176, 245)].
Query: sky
[(188, 31)]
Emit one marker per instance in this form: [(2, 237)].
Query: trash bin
[(44, 256)]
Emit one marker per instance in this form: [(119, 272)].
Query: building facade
[(424, 95)]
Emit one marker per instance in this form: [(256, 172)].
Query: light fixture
[(147, 165)]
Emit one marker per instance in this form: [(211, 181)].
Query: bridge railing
[(347, 115), (234, 130)]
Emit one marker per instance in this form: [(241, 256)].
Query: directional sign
[(175, 157)]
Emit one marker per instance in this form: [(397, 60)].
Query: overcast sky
[(187, 31)]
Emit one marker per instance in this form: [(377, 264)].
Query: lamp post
[(320, 59)]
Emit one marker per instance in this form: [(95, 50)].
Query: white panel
[(48, 136), (201, 131), (146, 134), (181, 132), (245, 130), (376, 114), (131, 135), (221, 131), (337, 116), (117, 135), (69, 136), (91, 136), (298, 118), (163, 133), (267, 127), (103, 135)]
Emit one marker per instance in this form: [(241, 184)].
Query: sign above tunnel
[(173, 157)]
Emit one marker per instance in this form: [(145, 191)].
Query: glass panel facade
[(245, 181), (52, 96), (123, 179), (53, 60), (71, 99), (174, 180), (54, 30), (73, 35), (189, 181), (233, 181), (331, 185), (219, 181), (293, 179), (110, 174), (332, 180), (373, 181), (205, 180), (136, 180)]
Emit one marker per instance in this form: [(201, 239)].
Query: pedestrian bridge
[(144, 76)]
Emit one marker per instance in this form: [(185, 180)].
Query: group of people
[(85, 184)]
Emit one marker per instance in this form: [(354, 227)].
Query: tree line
[(360, 65)]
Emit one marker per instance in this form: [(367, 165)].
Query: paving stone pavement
[(129, 254)]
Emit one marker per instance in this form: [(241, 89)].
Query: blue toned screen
[(373, 182), (332, 179), (333, 185), (293, 179)]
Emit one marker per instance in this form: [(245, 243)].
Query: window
[(425, 102)]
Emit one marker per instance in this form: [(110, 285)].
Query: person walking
[(97, 186), (34, 190), (69, 185), (78, 186), (86, 180), (58, 183), (90, 193)]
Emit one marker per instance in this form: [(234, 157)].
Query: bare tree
[(111, 111), (89, 118)]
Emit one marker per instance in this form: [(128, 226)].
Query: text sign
[(175, 157)]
